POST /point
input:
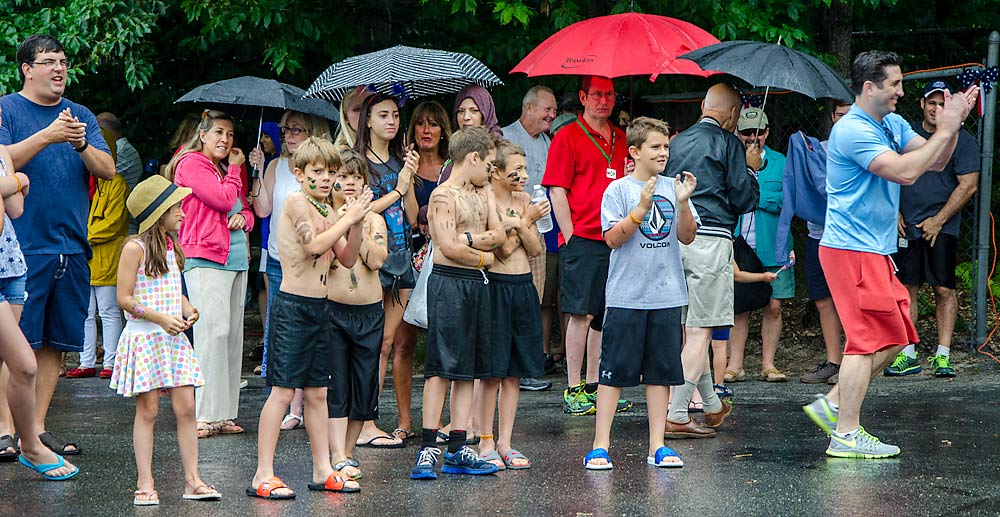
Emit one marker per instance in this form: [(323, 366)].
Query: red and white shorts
[(873, 305)]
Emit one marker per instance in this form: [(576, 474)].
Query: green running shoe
[(822, 414), (576, 402), (623, 404), (860, 444), (942, 366), (902, 365)]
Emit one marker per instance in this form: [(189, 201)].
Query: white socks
[(910, 351), (943, 350)]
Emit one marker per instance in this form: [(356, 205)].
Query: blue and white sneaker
[(427, 459), (466, 461)]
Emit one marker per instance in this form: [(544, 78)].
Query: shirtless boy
[(354, 309), (309, 235), (466, 231), (517, 314)]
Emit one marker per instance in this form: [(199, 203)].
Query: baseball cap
[(752, 118), (936, 86)]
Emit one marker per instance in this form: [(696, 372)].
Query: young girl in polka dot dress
[(153, 352)]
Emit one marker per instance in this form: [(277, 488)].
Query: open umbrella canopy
[(405, 72), (264, 93), (619, 45), (777, 66)]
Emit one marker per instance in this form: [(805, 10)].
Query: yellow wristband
[(482, 260), (634, 220), (18, 180)]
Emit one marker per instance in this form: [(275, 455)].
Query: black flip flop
[(7, 442), (57, 446), (371, 445)]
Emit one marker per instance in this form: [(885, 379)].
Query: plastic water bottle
[(544, 224)]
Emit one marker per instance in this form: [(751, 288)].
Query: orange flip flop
[(334, 483), (264, 489)]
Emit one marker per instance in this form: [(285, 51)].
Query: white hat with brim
[(152, 198)]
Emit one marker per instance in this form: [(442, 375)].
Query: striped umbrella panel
[(403, 72)]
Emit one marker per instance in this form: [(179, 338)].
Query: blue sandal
[(597, 454), (661, 456), (42, 469)]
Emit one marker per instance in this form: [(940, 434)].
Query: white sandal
[(292, 416)]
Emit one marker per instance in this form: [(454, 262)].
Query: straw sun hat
[(152, 198)]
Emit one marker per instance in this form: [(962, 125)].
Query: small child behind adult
[(517, 313), (354, 304), (644, 216), (421, 254), (153, 353), (720, 343), (309, 235)]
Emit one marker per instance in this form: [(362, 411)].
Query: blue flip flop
[(661, 455), (596, 454), (42, 469)]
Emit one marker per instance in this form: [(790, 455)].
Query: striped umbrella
[(404, 72)]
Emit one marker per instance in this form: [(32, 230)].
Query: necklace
[(322, 208)]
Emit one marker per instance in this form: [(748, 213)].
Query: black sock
[(428, 437), (590, 388), (456, 440)]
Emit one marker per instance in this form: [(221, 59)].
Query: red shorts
[(873, 305)]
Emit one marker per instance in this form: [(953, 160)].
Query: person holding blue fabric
[(872, 151), (758, 228), (58, 145)]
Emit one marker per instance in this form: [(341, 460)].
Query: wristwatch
[(82, 148), (468, 235)]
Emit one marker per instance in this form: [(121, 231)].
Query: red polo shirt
[(576, 164)]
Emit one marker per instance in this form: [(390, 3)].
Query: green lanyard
[(599, 148)]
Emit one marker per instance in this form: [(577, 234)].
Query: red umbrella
[(619, 45)]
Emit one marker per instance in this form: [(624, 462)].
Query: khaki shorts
[(708, 268)]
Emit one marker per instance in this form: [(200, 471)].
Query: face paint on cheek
[(337, 187), (312, 183)]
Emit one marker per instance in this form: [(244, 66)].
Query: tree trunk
[(840, 22)]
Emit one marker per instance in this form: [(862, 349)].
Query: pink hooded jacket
[(204, 232)]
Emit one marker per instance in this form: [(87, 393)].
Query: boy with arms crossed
[(517, 313), (644, 216), (465, 230), (309, 235), (354, 305)]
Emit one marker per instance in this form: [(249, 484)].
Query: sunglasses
[(752, 132)]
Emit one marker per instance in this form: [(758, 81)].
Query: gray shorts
[(708, 268)]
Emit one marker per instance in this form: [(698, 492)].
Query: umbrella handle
[(260, 129)]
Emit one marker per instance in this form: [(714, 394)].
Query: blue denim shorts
[(12, 289)]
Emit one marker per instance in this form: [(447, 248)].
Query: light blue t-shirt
[(862, 208), (645, 272)]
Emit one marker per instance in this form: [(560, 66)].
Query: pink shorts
[(873, 305)]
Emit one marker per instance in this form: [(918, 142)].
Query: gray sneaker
[(860, 444), (833, 380), (533, 384), (821, 374), (822, 413)]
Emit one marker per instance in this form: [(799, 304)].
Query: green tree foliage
[(97, 34)]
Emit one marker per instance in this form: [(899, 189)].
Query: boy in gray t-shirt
[(644, 217)]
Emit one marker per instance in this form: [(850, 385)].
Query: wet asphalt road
[(767, 460)]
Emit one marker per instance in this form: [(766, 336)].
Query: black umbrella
[(775, 66), (262, 93), (405, 72)]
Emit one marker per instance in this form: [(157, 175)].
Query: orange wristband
[(18, 180), (634, 220)]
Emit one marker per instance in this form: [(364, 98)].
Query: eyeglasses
[(51, 63), (490, 167), (752, 132), (606, 95), (295, 131), (892, 138)]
